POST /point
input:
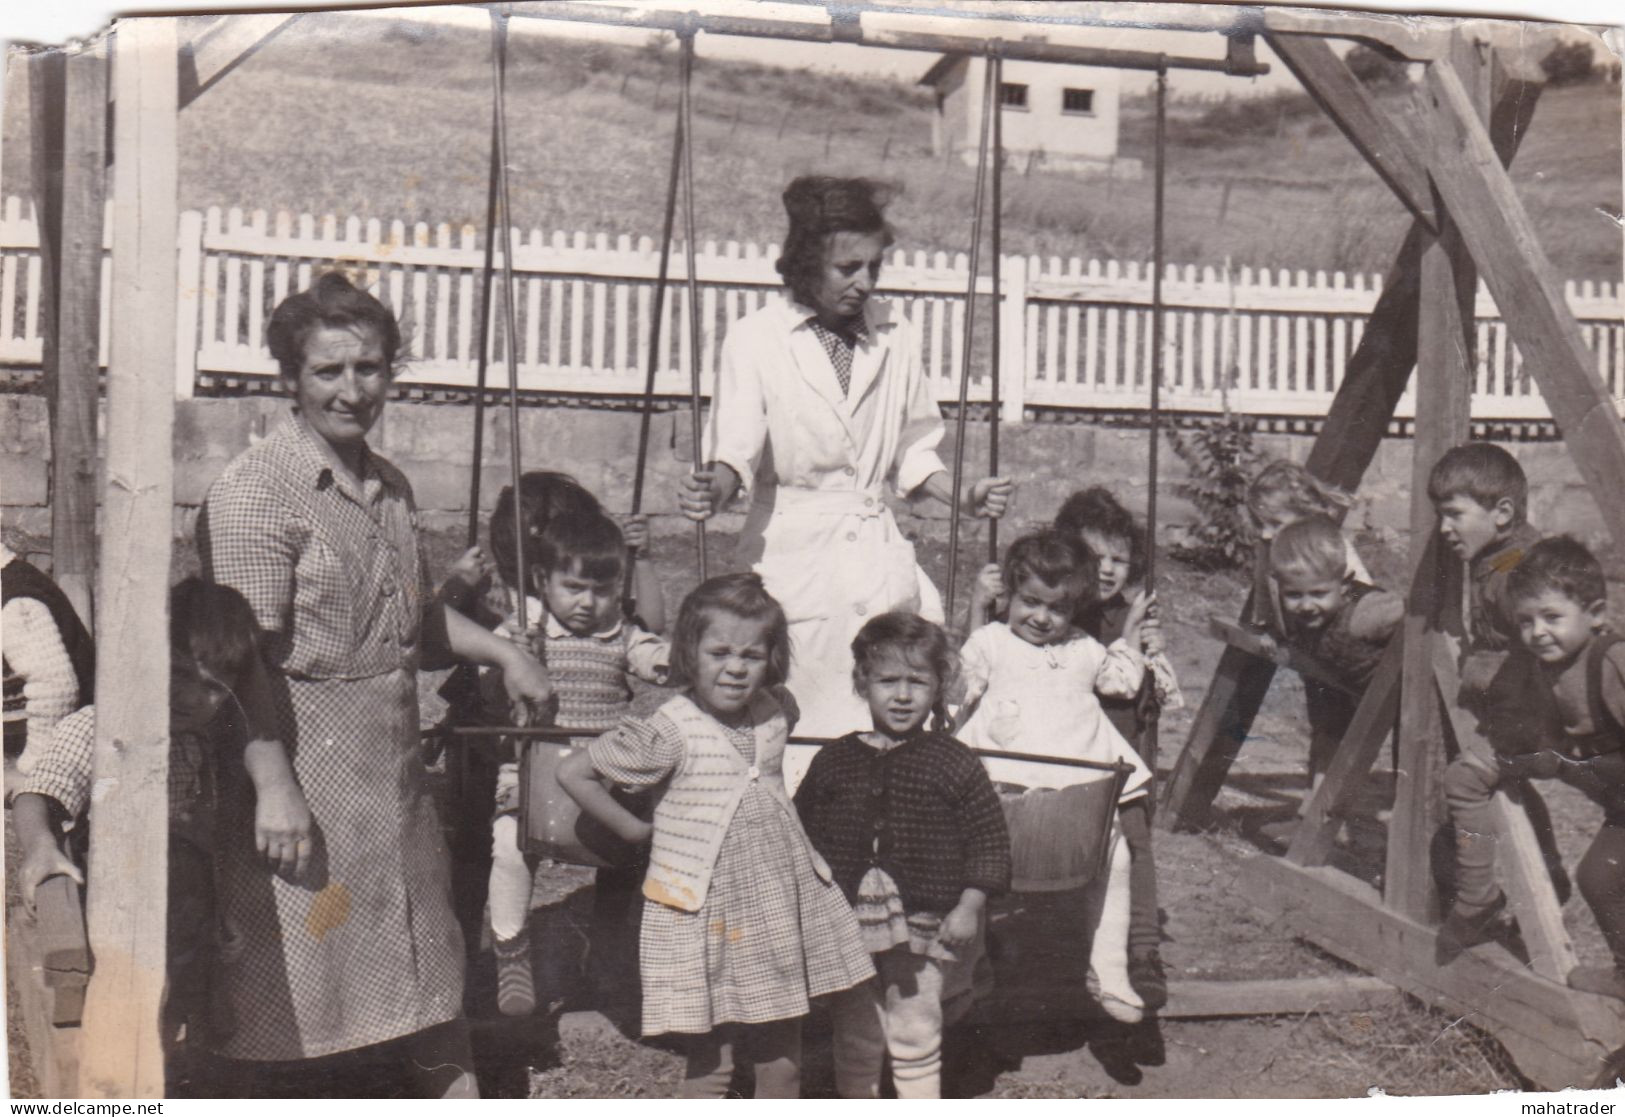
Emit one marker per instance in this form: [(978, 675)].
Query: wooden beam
[(123, 1056), (1558, 1037), (1198, 1000), (223, 46), (1415, 37), (78, 276), (1498, 232), (34, 1008), (1372, 724), (1245, 640), (1384, 142), (1221, 726)]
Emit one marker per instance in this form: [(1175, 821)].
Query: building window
[(1013, 94), (1080, 102)]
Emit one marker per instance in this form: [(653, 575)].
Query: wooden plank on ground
[(127, 886), (1390, 150), (53, 1050), (59, 931), (1372, 724), (1502, 239), (1558, 1037)]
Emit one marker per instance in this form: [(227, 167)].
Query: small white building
[(1062, 116)]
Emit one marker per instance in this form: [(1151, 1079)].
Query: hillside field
[(392, 120)]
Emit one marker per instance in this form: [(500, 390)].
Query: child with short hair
[(214, 649), (1339, 622), (920, 891), (1031, 686), (744, 925), (49, 659), (590, 652), (1098, 522), (1480, 493), (1282, 493), (1559, 600)]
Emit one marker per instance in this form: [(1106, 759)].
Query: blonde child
[(743, 924), (1094, 519), (1283, 493), (590, 652), (919, 890), (1032, 685), (1341, 623)]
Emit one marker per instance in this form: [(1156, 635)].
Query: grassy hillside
[(348, 116)]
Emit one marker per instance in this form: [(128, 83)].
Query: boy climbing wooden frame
[(1473, 107)]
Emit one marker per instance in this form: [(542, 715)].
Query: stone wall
[(432, 443)]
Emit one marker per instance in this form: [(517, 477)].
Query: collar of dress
[(557, 631), (314, 464)]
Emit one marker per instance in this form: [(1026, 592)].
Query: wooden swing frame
[(1474, 105)]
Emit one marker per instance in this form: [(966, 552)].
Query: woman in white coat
[(821, 402)]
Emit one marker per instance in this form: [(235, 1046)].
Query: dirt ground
[(582, 1042)]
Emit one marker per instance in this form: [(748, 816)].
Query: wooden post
[(76, 331), (1013, 337), (123, 1056)]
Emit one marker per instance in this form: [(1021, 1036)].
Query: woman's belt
[(790, 499)]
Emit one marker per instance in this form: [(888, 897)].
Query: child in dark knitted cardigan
[(915, 836)]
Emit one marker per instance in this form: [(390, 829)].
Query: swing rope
[(990, 106), (499, 77), (1156, 327), (685, 114), (997, 58), (629, 597), (487, 279)]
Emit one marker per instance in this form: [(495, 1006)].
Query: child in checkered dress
[(915, 835), (743, 924), (213, 647)]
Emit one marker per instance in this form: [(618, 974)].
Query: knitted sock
[(1107, 913)]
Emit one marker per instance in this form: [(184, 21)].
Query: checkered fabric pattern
[(63, 772), (770, 934), (838, 344), (366, 948)]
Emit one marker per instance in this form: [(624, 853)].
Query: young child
[(744, 925), (1341, 623), (590, 652), (919, 892), (213, 647), (1559, 601), (1031, 685), (1283, 493), (1480, 493), (1094, 519), (50, 662)]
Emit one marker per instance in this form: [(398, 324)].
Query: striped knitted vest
[(699, 801), (589, 677)]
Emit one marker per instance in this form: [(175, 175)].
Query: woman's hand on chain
[(990, 497)]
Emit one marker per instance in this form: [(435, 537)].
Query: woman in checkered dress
[(821, 403), (340, 934)]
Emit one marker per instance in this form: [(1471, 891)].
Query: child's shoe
[(1606, 980), (1123, 1005), (1146, 975), (516, 987), (1468, 926)]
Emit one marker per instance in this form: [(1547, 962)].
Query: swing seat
[(1059, 838), (553, 825)]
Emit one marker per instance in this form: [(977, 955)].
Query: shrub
[(1568, 64), (1221, 458)]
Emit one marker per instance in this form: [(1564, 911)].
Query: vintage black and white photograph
[(971, 549)]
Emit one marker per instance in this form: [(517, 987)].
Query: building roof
[(940, 68)]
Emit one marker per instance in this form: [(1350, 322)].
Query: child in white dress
[(744, 925), (1031, 685)]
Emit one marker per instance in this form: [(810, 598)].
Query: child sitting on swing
[(1031, 685), (1094, 519)]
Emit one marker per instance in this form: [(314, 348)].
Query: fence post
[(1013, 371), (189, 285)]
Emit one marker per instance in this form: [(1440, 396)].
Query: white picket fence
[(1075, 335)]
